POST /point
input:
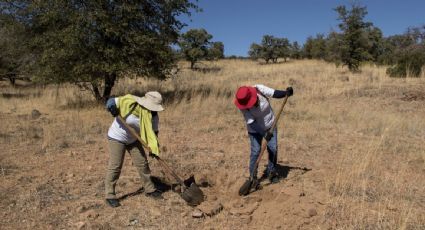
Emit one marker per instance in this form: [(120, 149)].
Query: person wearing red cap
[(253, 102)]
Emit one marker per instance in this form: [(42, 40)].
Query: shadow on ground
[(159, 184), (283, 171)]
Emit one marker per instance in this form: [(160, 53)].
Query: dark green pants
[(116, 160)]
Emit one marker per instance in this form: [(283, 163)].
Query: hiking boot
[(113, 203), (155, 194), (273, 177)]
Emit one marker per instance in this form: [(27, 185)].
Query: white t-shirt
[(118, 132), (263, 113)]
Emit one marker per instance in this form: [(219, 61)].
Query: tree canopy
[(92, 43), (196, 45), (270, 49)]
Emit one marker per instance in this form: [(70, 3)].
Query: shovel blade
[(193, 195), (245, 188)]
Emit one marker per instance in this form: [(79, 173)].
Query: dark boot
[(113, 203), (273, 177), (256, 185)]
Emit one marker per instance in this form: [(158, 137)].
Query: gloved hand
[(268, 136), (112, 107), (153, 155), (289, 91)]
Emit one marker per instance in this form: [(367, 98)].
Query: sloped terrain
[(351, 153)]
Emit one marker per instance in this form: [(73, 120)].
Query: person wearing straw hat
[(253, 102), (140, 113)]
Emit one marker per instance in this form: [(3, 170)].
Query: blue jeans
[(256, 139)]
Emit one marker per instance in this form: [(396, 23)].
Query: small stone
[(177, 188), (80, 225), (35, 114), (312, 212), (197, 213), (216, 209), (91, 215), (134, 222), (202, 180), (155, 212), (70, 175)]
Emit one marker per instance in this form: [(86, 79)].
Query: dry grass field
[(351, 152)]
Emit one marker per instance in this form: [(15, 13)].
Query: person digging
[(253, 102), (141, 114)]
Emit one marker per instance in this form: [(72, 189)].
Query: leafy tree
[(315, 47), (92, 43), (409, 54), (271, 49), (295, 50), (282, 47), (333, 48), (255, 51), (14, 52), (354, 48), (308, 47), (318, 49), (216, 51), (194, 45), (268, 48), (375, 43)]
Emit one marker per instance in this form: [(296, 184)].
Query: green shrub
[(409, 64)]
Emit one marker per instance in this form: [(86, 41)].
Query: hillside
[(351, 152)]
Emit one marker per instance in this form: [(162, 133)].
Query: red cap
[(246, 97)]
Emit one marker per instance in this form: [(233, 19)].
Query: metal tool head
[(193, 195)]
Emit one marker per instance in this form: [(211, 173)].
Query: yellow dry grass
[(361, 134)]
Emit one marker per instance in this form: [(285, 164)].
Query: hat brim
[(143, 101), (251, 101)]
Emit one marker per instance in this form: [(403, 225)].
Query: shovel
[(192, 194), (252, 182)]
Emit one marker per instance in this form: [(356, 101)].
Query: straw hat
[(151, 101), (246, 96)]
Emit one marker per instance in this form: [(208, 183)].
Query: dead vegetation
[(360, 134)]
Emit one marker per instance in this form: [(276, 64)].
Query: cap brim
[(251, 101), (143, 101)]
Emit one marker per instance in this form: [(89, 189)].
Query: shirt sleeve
[(279, 93), (248, 117), (155, 122), (266, 91)]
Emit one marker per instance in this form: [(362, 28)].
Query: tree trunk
[(109, 83), (12, 79), (96, 92), (192, 64)]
